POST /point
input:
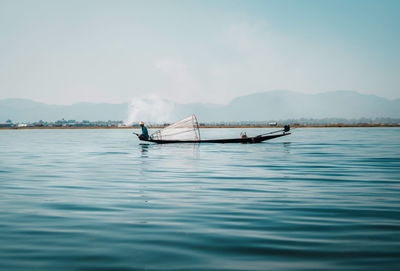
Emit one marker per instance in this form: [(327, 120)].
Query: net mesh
[(186, 129)]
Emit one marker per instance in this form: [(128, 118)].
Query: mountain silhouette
[(270, 105)]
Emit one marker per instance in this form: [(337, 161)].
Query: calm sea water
[(323, 199)]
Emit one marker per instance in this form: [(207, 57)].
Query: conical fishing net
[(186, 129)]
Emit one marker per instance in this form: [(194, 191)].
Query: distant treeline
[(307, 121), (332, 121), (293, 122), (62, 123)]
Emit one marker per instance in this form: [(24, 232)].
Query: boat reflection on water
[(286, 146), (144, 148), (185, 150)]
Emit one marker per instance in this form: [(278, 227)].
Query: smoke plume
[(151, 109)]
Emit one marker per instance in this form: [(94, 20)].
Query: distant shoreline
[(225, 126)]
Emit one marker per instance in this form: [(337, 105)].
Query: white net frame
[(183, 130)]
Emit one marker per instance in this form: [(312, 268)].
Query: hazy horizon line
[(150, 97)]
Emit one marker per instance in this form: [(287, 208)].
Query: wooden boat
[(254, 139), (187, 131)]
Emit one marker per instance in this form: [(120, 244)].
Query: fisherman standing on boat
[(145, 133)]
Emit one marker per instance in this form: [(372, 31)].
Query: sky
[(63, 52)]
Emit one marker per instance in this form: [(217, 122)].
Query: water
[(322, 199)]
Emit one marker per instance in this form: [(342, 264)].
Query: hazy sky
[(64, 52)]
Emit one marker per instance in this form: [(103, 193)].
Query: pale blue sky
[(196, 51)]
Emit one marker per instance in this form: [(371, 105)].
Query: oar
[(285, 129)]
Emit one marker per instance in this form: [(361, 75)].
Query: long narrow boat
[(187, 131), (254, 139)]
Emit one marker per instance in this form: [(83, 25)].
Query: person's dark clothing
[(145, 133)]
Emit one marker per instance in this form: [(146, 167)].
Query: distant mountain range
[(270, 105), (20, 110)]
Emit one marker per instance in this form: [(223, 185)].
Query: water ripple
[(98, 200)]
